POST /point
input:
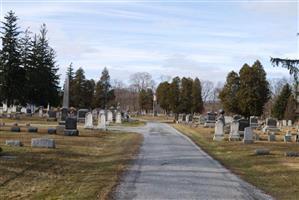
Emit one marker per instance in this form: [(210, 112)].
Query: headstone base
[(209, 125), (73, 132), (248, 141), (60, 129), (218, 138), (234, 138)]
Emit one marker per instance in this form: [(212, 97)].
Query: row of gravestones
[(244, 127), (102, 121)]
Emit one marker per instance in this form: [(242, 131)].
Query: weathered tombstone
[(52, 115), (42, 143), (248, 135), (81, 114), (271, 125), (211, 120), (71, 127), (234, 131), (15, 129), (109, 116), (243, 123), (219, 127), (88, 121), (262, 152), (180, 118), (102, 121), (118, 118), (228, 119), (23, 110), (51, 130), (271, 137), (32, 129), (288, 137), (40, 112), (219, 131), (94, 113), (284, 122), (14, 109), (28, 112), (4, 107), (16, 143), (289, 123), (253, 122)]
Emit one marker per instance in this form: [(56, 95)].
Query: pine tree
[(44, 78), (228, 95), (71, 75), (78, 89), (174, 95), (104, 96), (163, 95), (254, 91), (280, 105), (26, 55), (197, 103), (186, 95), (12, 73), (146, 99), (70, 72), (290, 111)]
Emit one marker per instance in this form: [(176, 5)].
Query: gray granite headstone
[(42, 143)]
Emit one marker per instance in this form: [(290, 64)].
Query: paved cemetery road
[(170, 166)]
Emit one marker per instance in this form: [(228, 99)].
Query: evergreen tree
[(12, 78), (88, 92), (70, 72), (44, 78), (186, 95), (146, 99), (174, 95), (163, 95), (26, 55), (254, 90), (197, 103), (71, 75), (78, 88), (228, 95), (290, 111), (280, 105), (104, 95)]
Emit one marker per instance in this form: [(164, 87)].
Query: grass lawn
[(84, 167), (275, 174)]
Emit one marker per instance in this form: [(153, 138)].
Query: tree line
[(182, 95), (86, 93), (28, 70)]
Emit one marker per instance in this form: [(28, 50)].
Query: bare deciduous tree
[(142, 80)]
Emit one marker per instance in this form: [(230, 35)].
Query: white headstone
[(42, 143), (248, 135), (234, 131), (88, 120), (23, 110), (40, 112), (284, 122), (9, 110), (14, 109), (118, 118), (109, 116), (289, 122), (4, 107), (219, 131), (102, 121)]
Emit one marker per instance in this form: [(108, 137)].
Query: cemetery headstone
[(289, 123), (88, 121), (211, 120), (102, 121), (219, 131), (284, 122), (81, 114), (253, 122), (118, 118), (16, 143), (52, 115), (42, 143), (234, 131), (271, 137), (243, 123), (248, 135), (288, 137), (109, 116), (71, 127), (271, 125)]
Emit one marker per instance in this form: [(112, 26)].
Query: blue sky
[(204, 39)]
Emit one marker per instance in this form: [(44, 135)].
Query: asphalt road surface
[(171, 166)]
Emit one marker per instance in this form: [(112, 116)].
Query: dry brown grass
[(275, 174), (84, 167)]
